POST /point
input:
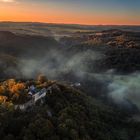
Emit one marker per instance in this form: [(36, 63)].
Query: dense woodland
[(66, 114)]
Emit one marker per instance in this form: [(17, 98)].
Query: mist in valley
[(121, 89), (65, 63)]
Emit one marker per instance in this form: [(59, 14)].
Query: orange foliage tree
[(17, 88)]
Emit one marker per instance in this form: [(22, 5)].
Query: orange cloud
[(7, 0)]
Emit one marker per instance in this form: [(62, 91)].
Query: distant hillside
[(120, 49), (9, 66), (112, 38), (36, 26), (15, 47), (19, 45)]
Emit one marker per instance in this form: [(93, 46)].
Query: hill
[(14, 48), (23, 45), (65, 113), (118, 49)]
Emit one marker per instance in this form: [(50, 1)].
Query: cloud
[(7, 0)]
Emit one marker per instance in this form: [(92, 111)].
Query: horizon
[(91, 12), (59, 23)]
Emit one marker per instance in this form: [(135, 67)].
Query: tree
[(42, 78)]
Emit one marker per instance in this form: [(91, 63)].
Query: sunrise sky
[(118, 12)]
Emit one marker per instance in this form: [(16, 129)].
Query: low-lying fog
[(121, 89)]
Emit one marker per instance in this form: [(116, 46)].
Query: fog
[(125, 89), (122, 89), (53, 63)]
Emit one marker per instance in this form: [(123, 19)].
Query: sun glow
[(7, 0), (14, 10)]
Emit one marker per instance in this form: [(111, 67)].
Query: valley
[(93, 72)]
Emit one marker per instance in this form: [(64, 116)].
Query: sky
[(91, 12)]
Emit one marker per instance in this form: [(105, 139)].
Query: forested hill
[(25, 45), (65, 114)]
